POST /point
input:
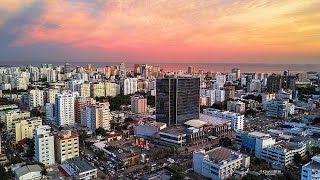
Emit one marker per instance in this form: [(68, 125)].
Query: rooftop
[(79, 164), (175, 130), (314, 164), (286, 145), (220, 154), (27, 169), (195, 123), (212, 120), (258, 134)]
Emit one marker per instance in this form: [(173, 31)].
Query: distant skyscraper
[(122, 70), (177, 99), (89, 67), (144, 70), (237, 72), (67, 68), (190, 70)]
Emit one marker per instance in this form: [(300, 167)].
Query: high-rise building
[(129, 86), (80, 103), (289, 82), (274, 83), (44, 145), (64, 108), (24, 128), (89, 67), (35, 98), (11, 117), (144, 70), (229, 92), (112, 89), (177, 99), (190, 70), (51, 95), (122, 70), (67, 68), (98, 116), (85, 90), (66, 145), (237, 72), (97, 89), (138, 104)]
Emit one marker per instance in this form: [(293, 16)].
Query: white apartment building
[(138, 104), (44, 145), (64, 109), (220, 163), (129, 86), (51, 75), (281, 154), (20, 83), (311, 170), (35, 98), (211, 97), (237, 120), (220, 95)]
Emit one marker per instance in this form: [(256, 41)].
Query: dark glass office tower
[(177, 99)]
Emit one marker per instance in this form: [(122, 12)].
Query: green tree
[(297, 158), (177, 175), (82, 135), (5, 174), (315, 149), (101, 131), (99, 153)]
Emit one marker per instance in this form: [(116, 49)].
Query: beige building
[(11, 117), (80, 103), (97, 89), (236, 106), (97, 116), (112, 89), (66, 146), (24, 128), (51, 95), (138, 104), (85, 90)]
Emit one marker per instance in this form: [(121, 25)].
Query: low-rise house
[(28, 172), (79, 169)]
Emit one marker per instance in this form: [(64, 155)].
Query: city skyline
[(263, 31)]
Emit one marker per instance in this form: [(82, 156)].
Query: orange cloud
[(181, 29)]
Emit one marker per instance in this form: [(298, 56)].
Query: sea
[(169, 67)]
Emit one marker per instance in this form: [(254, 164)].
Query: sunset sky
[(183, 31)]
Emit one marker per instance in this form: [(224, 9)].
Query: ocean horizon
[(213, 67)]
